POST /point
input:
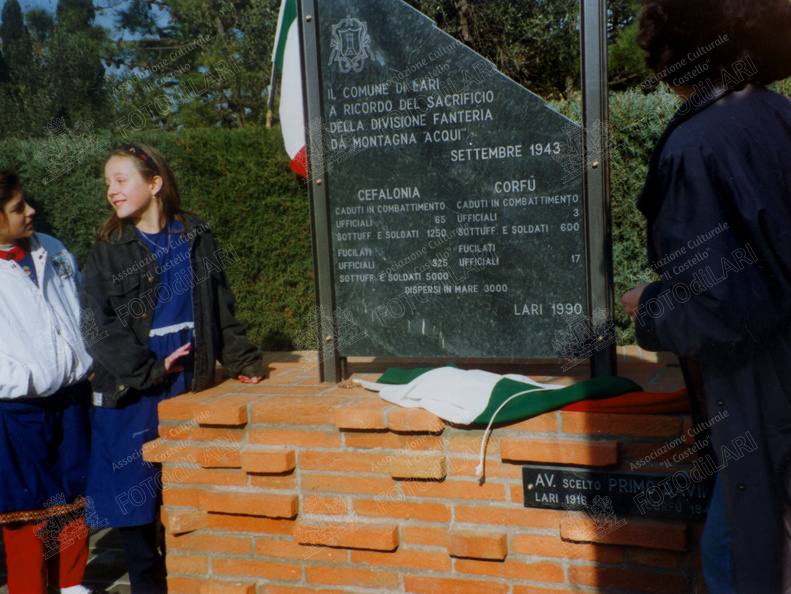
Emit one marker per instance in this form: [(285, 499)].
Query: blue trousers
[(716, 547), (145, 560)]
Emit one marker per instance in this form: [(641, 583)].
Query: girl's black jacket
[(119, 295)]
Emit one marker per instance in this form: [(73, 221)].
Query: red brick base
[(292, 486)]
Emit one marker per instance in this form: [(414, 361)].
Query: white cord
[(482, 458)]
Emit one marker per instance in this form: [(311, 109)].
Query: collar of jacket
[(34, 246), (647, 201), (191, 222)]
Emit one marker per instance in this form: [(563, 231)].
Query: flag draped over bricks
[(286, 58), (475, 397)]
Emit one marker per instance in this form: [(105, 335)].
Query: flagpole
[(331, 368), (596, 171), (270, 104)]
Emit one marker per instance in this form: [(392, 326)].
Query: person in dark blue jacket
[(718, 207)]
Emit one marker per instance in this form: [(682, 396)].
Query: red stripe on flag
[(299, 163)]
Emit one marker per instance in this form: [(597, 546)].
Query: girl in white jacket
[(44, 398)]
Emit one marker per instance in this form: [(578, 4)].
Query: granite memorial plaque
[(456, 209), (616, 493)]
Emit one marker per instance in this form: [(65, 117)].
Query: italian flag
[(287, 60), (477, 397)]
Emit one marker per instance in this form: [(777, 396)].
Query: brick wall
[(294, 486)]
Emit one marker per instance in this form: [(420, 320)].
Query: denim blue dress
[(126, 490)]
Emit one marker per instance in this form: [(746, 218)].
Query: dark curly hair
[(9, 187), (727, 42)]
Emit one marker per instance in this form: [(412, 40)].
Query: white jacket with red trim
[(41, 342)]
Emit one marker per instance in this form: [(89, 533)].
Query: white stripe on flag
[(292, 116)]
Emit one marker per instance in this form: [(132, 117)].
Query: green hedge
[(240, 181), (636, 122)]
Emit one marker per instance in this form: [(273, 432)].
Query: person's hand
[(631, 300), (182, 351), (249, 380)]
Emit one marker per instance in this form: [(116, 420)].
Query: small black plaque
[(626, 493)]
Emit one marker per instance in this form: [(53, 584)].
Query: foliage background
[(66, 83), (239, 180)]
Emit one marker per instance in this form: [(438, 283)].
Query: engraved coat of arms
[(351, 45)]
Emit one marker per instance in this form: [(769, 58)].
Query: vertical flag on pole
[(288, 61)]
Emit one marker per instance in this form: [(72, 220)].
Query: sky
[(28, 4), (105, 18)]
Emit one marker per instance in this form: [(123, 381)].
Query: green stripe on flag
[(288, 14), (531, 405), (395, 375)]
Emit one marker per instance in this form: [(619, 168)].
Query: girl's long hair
[(150, 163)]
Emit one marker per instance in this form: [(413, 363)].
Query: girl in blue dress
[(156, 285)]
